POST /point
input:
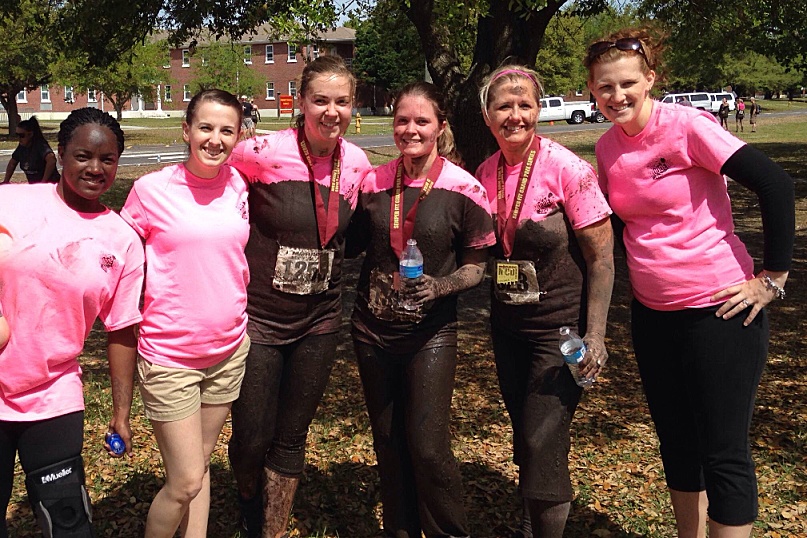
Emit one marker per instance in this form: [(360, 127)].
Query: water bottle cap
[(411, 242), (564, 330)]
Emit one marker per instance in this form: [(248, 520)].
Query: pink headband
[(517, 72)]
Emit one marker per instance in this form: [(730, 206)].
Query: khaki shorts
[(171, 394)]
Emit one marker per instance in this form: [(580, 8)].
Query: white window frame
[(167, 94), (578, 92), (292, 53), (186, 92), (44, 93), (22, 96), (314, 50), (186, 58), (247, 54), (92, 96), (293, 88), (270, 54), (270, 90), (68, 94), (203, 59)]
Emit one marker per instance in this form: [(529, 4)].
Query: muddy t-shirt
[(563, 196), (283, 221), (453, 217)]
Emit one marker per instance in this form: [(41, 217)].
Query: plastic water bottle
[(115, 443), (411, 268), (574, 349)]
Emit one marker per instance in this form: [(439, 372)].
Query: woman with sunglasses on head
[(192, 347), (699, 325), (65, 261), (554, 268), (33, 154), (304, 183), (405, 333)]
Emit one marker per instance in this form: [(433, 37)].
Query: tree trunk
[(502, 37), (9, 102)]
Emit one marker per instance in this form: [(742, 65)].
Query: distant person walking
[(754, 112), (739, 115), (33, 154), (247, 123), (723, 114)]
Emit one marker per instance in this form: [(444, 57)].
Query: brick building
[(277, 62)]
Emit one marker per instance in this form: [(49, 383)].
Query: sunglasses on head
[(626, 43)]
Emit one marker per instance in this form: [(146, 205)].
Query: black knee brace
[(60, 500)]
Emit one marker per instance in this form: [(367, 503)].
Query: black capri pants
[(700, 375), (408, 399), (282, 388), (39, 443), (541, 397)]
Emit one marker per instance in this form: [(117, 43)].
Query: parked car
[(701, 100), (717, 99), (575, 112)]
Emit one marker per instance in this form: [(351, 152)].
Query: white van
[(701, 100), (717, 99)]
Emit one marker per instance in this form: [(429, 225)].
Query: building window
[(248, 54), (186, 92), (270, 91), (578, 92), (270, 54), (348, 62), (167, 93), (292, 53), (91, 97), (314, 51), (22, 97), (293, 88), (167, 64), (68, 94), (44, 94), (186, 58), (204, 59)]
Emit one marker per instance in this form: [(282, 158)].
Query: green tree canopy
[(221, 65)]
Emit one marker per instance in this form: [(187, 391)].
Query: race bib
[(515, 282), (384, 299), (303, 271)]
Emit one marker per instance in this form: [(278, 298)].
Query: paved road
[(145, 155)]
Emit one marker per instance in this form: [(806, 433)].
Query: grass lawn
[(616, 470)]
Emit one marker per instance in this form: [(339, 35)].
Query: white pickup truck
[(556, 109)]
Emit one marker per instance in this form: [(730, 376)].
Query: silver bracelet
[(770, 285)]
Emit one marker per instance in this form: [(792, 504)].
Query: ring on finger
[(745, 302)]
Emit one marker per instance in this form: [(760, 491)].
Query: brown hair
[(217, 96), (445, 142), (652, 45), (324, 65), (512, 74)]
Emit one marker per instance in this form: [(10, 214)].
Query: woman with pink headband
[(554, 268)]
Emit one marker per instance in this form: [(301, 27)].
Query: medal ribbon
[(400, 232), (327, 220), (507, 223)]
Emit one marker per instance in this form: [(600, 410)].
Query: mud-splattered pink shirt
[(453, 217), (563, 196), (665, 184), (283, 215), (62, 270)]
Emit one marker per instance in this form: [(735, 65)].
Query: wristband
[(770, 285)]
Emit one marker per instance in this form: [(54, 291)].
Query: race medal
[(383, 299), (506, 272), (303, 271), (516, 282)]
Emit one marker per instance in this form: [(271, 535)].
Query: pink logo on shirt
[(660, 167), (107, 262)]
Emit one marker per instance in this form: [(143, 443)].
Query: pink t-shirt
[(665, 184), (562, 181), (194, 314), (62, 270)]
